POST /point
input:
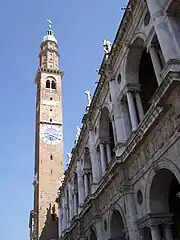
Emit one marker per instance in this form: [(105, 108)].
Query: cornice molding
[(47, 70)]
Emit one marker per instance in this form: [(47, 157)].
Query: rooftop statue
[(78, 130), (69, 155), (88, 97), (107, 47)]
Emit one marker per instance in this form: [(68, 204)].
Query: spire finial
[(49, 23), (50, 33)]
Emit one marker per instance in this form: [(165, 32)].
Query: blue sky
[(80, 27)]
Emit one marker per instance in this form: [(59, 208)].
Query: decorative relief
[(75, 231), (87, 217), (160, 135), (111, 191)]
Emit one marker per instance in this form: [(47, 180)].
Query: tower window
[(53, 217), (51, 171), (47, 84), (53, 84), (50, 120), (51, 157), (50, 98), (50, 110)]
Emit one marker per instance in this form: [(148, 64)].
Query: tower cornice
[(45, 70)]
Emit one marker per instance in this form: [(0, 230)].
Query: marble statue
[(78, 130), (107, 47), (69, 155), (88, 97)]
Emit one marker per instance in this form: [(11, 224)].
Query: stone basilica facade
[(122, 181)]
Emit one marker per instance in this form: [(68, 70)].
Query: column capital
[(149, 46), (112, 79), (131, 87), (153, 226), (128, 189), (75, 191), (167, 226)]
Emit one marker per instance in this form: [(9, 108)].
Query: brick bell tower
[(49, 163)]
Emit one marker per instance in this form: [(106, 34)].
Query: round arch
[(88, 173), (92, 233), (117, 208), (137, 35), (139, 71), (166, 164)]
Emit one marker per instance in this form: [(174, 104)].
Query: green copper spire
[(50, 33)]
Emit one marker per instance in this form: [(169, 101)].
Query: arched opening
[(53, 85), (111, 138), (147, 80), (75, 197), (106, 135), (93, 235), (117, 226), (68, 210), (87, 172), (164, 199), (141, 75), (98, 154), (47, 84)]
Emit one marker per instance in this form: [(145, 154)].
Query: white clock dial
[(51, 134)]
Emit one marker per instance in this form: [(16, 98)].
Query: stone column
[(131, 213), (95, 166), (94, 162), (103, 158), (118, 118), (167, 232), (60, 223), (132, 111), (75, 202), (108, 152), (70, 201), (156, 63), (162, 30), (155, 233), (67, 215), (86, 185), (139, 106), (141, 233), (64, 216), (80, 186)]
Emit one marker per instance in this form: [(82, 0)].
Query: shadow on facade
[(50, 230)]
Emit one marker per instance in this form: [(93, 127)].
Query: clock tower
[(49, 154)]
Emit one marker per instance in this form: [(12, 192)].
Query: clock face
[(51, 134)]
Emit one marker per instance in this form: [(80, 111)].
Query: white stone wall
[(145, 143)]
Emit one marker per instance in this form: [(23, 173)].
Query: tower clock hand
[(50, 135)]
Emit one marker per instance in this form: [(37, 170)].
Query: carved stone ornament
[(109, 193)]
